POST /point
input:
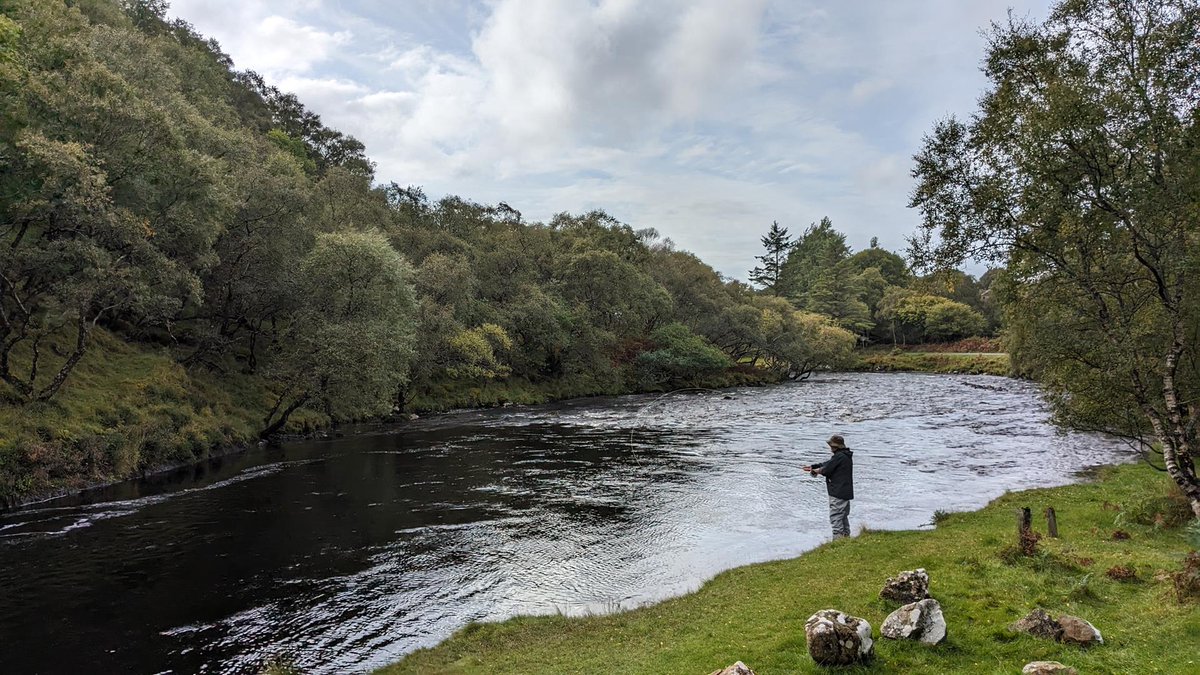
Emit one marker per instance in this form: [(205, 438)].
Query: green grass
[(756, 614), (124, 410), (877, 360)]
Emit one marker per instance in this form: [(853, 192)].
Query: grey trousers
[(839, 517)]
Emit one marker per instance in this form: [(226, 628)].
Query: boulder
[(838, 639), (738, 668), (1047, 668), (906, 587), (1076, 631), (921, 621), (1039, 624)]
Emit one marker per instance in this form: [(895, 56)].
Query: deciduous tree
[(1081, 172)]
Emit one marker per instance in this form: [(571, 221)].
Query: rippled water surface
[(348, 553)]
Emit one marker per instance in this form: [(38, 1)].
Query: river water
[(344, 554)]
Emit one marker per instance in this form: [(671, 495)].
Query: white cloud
[(256, 38), (705, 119)]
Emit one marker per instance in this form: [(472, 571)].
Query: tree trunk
[(81, 344), (1176, 437), (273, 428)]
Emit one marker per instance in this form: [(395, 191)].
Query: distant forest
[(155, 199)]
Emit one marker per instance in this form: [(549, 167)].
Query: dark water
[(348, 553)]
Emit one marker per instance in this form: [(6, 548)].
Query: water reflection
[(347, 553)]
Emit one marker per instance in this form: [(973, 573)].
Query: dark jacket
[(839, 474)]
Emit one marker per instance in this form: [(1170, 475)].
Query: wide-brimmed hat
[(837, 442)]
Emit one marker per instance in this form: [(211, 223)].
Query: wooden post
[(1051, 522), (1024, 521)]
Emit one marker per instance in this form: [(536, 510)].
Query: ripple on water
[(354, 551)]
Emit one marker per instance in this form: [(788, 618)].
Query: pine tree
[(778, 243)]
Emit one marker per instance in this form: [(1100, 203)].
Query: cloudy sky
[(705, 119)]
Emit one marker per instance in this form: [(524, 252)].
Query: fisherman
[(839, 483)]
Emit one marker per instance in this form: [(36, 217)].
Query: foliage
[(1079, 172), (348, 342), (478, 351), (914, 316), (892, 267), (859, 291), (679, 356)]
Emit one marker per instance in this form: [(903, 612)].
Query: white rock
[(1047, 668), (838, 639), (921, 621), (1076, 631), (738, 668), (908, 586)]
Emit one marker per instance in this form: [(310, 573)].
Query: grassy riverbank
[(756, 613), (877, 359), (126, 409)]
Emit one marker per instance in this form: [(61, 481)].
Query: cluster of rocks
[(839, 639)]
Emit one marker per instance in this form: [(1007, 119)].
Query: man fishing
[(839, 483)]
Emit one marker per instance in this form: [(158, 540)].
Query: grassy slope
[(756, 613), (126, 409), (887, 360)]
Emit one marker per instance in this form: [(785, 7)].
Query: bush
[(1168, 509), (680, 355)]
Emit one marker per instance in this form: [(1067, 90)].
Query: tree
[(912, 316), (893, 267), (778, 243), (814, 254), (348, 345), (69, 257), (1081, 172), (796, 343), (837, 293)]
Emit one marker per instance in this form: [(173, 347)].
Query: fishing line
[(642, 408)]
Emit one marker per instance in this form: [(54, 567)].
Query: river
[(346, 553)]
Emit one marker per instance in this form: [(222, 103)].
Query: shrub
[(680, 355), (1169, 508)]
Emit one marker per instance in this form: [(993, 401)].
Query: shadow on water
[(347, 553)]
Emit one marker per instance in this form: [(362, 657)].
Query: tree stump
[(1024, 520), (1026, 538)]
